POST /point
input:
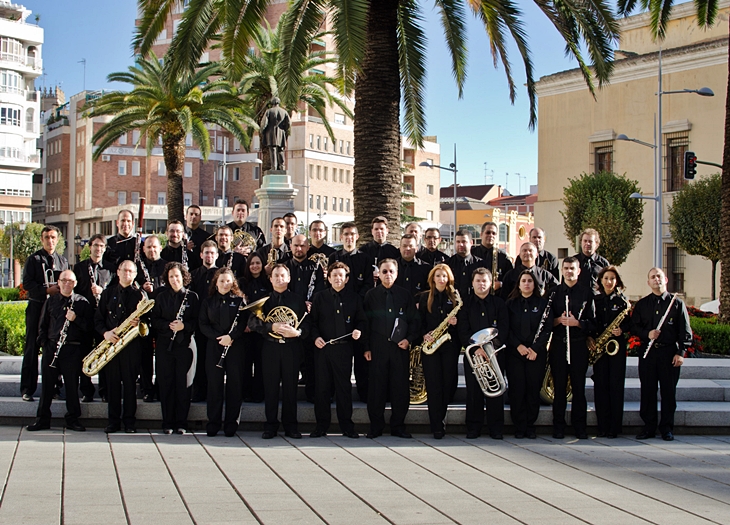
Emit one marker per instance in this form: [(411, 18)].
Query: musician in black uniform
[(281, 354), (530, 324), (281, 249), (393, 324), (379, 248), (360, 281), (482, 310), (579, 318), (463, 262), (176, 249), (545, 259), (123, 245), (440, 368), (240, 214), (544, 280), (317, 236), (117, 303), (257, 286), (40, 274), (338, 319), (662, 364), (57, 310), (430, 253), (201, 279), (489, 236), (218, 313), (93, 277), (588, 259), (609, 371), (290, 219), (227, 258), (195, 236), (173, 320), (412, 272), (413, 228)]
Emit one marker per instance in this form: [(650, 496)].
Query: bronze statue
[(273, 132)]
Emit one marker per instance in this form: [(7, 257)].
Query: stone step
[(691, 416)]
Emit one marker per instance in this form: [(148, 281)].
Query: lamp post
[(657, 147), (224, 164), (452, 168)]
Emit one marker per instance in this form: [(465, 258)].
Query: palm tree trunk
[(725, 221), (377, 178), (173, 151)]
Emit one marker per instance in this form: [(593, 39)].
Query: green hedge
[(715, 337), (12, 328), (9, 294)]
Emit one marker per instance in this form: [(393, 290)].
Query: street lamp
[(224, 176), (452, 167), (657, 147)]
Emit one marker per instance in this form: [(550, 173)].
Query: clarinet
[(222, 360), (544, 317), (62, 335), (178, 317), (92, 276), (567, 331), (184, 256), (229, 262)]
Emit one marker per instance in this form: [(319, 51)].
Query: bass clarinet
[(62, 335)]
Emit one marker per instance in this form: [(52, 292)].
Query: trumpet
[(49, 278)]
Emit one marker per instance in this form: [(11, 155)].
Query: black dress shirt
[(53, 317), (335, 314), (252, 229), (432, 257), (201, 279), (383, 313), (477, 314), (440, 308), (257, 288), (115, 305), (377, 252), (525, 316), (217, 314), (324, 249), (543, 280), (582, 305), (413, 275), (171, 254), (119, 249), (549, 262), (167, 306), (290, 300), (675, 332), (462, 268), (84, 270), (361, 270), (504, 264), (589, 268), (198, 236), (301, 277)]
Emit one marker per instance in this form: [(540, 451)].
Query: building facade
[(578, 134)]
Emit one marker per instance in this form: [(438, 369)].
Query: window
[(339, 119), (319, 172), (236, 173), (11, 82), (9, 116), (161, 170), (135, 168), (341, 146), (602, 157), (188, 169), (135, 136), (189, 139), (676, 145), (429, 215), (79, 170), (256, 172), (347, 148), (121, 198), (311, 201), (342, 175), (324, 202), (311, 171), (342, 204), (348, 176), (122, 168), (134, 197), (674, 265), (219, 143), (503, 233), (187, 199), (311, 141), (319, 204), (319, 142), (324, 143), (123, 139), (325, 172), (236, 144), (429, 189), (161, 198)]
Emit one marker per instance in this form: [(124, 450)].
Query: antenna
[(83, 61)]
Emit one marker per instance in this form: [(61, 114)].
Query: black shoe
[(104, 399), (602, 434), (230, 432), (373, 435), (293, 434), (76, 427), (28, 397), (558, 435), (318, 434), (148, 398), (439, 435), (352, 434), (668, 436), (611, 435), (581, 435), (181, 431), (519, 435), (87, 399), (645, 435), (403, 434), (496, 435), (472, 434), (268, 434), (110, 429), (531, 434), (168, 431), (38, 426), (130, 430)]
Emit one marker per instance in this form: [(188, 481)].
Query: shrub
[(12, 328), (9, 294), (715, 337)]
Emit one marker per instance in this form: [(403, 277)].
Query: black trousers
[(231, 392), (608, 391), (172, 371), (361, 367), (29, 367), (388, 377), (441, 371), (476, 402), (121, 378), (253, 377), (577, 373), (147, 367), (309, 370), (657, 368), (85, 384), (67, 366), (281, 367), (200, 382), (525, 381), (333, 367)]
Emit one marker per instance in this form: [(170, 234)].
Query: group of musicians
[(238, 320)]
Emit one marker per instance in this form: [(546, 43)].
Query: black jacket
[(290, 300), (525, 316), (477, 314), (336, 314), (217, 314), (34, 273), (504, 265), (167, 306), (115, 306), (383, 323), (413, 275), (433, 258), (582, 305), (361, 270), (675, 332), (53, 317), (102, 277)]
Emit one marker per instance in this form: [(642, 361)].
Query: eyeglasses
[(66, 280), (490, 233), (98, 245), (387, 271), (431, 237)]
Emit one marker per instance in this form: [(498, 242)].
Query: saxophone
[(604, 343), (105, 352), (440, 334), (495, 268)]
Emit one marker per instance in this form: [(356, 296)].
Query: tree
[(602, 201), (694, 220), (167, 106), (26, 242), (706, 15), (381, 53)]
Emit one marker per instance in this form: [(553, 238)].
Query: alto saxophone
[(440, 334), (605, 343)]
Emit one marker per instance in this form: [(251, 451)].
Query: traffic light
[(690, 165)]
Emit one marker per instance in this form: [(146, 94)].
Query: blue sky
[(483, 124)]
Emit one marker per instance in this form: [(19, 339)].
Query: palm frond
[(349, 22), (454, 24), (412, 65), (153, 17)]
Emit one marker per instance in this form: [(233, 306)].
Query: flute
[(661, 323)]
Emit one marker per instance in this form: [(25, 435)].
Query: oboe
[(62, 334), (222, 360), (179, 317)]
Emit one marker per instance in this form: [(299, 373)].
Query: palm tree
[(381, 46), (660, 13), (167, 106)]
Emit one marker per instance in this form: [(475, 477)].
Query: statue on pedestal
[(273, 133)]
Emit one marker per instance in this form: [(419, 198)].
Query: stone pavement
[(53, 476)]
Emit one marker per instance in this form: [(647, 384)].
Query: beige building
[(578, 134)]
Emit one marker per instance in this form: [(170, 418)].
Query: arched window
[(503, 233)]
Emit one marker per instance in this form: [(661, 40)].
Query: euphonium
[(604, 343), (487, 371), (440, 334), (105, 352)]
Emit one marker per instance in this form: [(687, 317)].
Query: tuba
[(105, 352), (487, 371), (283, 314)]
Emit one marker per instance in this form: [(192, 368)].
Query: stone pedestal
[(276, 197)]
